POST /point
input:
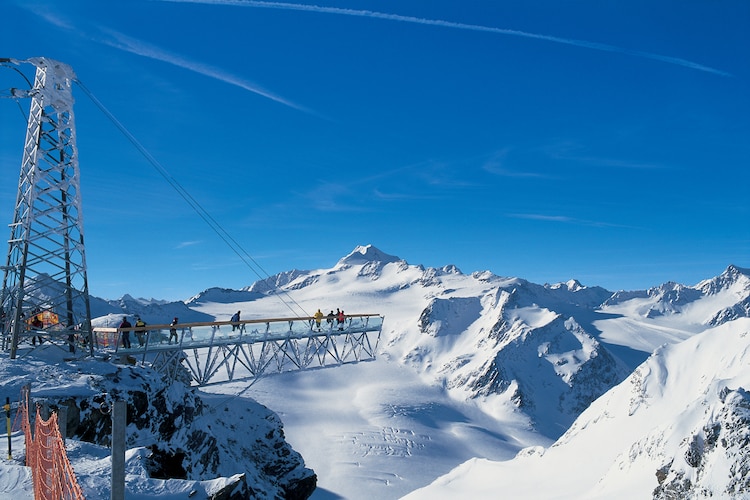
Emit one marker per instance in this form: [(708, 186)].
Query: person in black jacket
[(125, 333), (235, 321), (173, 330)]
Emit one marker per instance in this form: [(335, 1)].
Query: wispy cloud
[(463, 26), (334, 197), (550, 218), (496, 165), (572, 152), (185, 244), (54, 19), (400, 196), (615, 163), (125, 43), (138, 47), (404, 183), (564, 219)]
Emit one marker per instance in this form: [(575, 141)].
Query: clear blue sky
[(603, 141)]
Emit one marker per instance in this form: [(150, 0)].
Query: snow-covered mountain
[(547, 351), (110, 312), (507, 341), (154, 312), (677, 427), (711, 302), (504, 361)]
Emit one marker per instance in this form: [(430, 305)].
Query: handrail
[(167, 326), (251, 345), (196, 334)]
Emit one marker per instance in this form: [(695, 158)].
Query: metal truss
[(210, 357), (45, 272)]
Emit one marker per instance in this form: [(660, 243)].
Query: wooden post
[(119, 422), (26, 395), (7, 424)]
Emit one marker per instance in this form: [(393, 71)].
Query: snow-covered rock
[(173, 430), (366, 254), (222, 296), (675, 428)]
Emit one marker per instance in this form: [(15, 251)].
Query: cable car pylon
[(45, 294)]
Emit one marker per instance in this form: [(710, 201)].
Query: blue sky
[(602, 141)]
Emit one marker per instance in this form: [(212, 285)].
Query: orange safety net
[(51, 471)]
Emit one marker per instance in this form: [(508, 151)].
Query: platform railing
[(218, 351), (208, 333)]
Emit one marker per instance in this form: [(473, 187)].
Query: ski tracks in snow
[(389, 441)]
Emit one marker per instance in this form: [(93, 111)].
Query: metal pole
[(62, 422), (119, 421)]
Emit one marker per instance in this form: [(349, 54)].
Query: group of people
[(339, 317), (141, 332), (140, 326)]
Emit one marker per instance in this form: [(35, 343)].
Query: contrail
[(140, 48), (463, 26), (128, 44)]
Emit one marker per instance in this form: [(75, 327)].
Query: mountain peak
[(571, 285), (732, 276), (367, 253), (733, 271)]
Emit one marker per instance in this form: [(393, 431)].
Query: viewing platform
[(225, 350)]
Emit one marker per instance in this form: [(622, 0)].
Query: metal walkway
[(224, 351)]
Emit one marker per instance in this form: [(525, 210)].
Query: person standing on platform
[(173, 330), (318, 316), (235, 321), (340, 318), (140, 334), (125, 333)]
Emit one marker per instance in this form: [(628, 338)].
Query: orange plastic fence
[(51, 471)]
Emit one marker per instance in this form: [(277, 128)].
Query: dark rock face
[(236, 490), (555, 369), (546, 364), (191, 435), (725, 437)]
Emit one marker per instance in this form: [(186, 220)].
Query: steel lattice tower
[(45, 273)]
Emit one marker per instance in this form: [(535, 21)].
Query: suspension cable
[(222, 233)]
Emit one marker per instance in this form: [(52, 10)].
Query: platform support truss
[(206, 354), (251, 360), (45, 271)]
